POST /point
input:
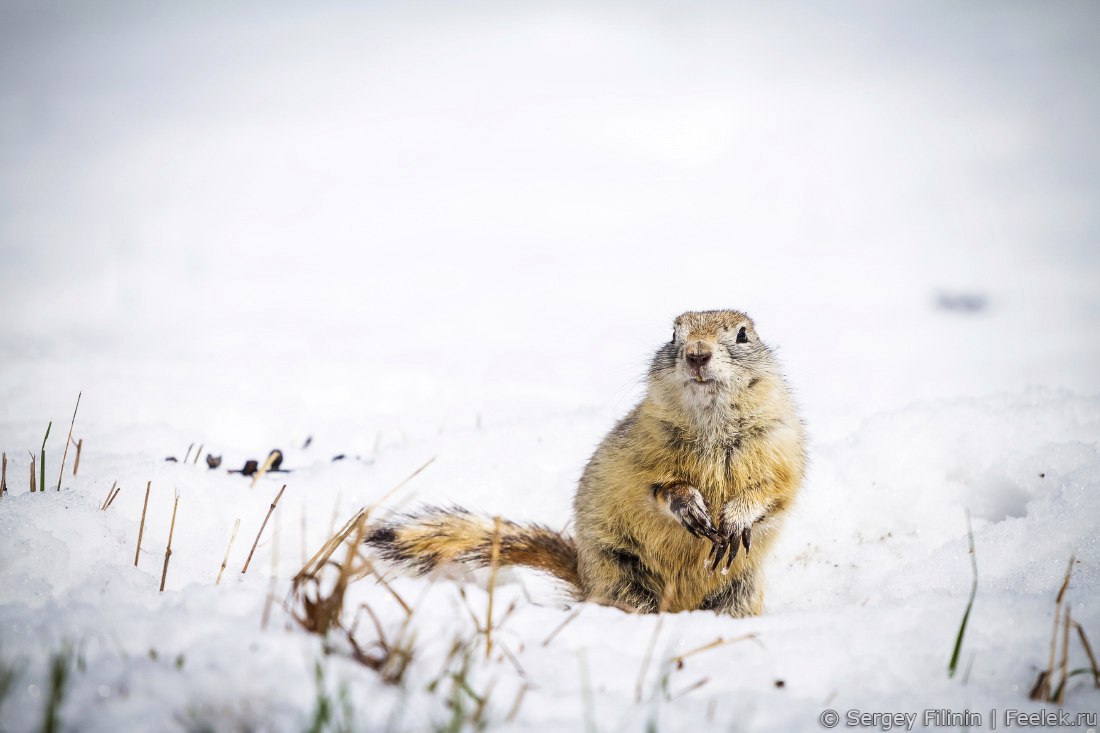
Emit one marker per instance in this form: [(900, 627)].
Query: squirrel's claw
[(728, 544), (685, 503), (695, 520), (730, 548), (735, 545), (719, 550)]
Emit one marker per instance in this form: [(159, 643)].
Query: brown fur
[(436, 536), (727, 432)]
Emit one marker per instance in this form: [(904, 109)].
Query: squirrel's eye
[(673, 337), (742, 337)]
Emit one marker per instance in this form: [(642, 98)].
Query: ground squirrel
[(706, 464)]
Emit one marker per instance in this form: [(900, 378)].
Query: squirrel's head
[(711, 357)]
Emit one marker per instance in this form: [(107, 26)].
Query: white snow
[(415, 231)]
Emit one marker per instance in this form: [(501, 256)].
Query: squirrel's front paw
[(731, 536), (684, 502)]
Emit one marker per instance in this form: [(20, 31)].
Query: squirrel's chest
[(720, 472)]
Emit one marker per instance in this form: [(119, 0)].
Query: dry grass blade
[(318, 599), (1042, 689), (516, 705), (1042, 684), (645, 660), (323, 612), (110, 491), (1060, 697), (482, 702), (188, 454), (568, 620), (198, 453), (1054, 635), (375, 621), (3, 474), (141, 527), (368, 569), (470, 610), (112, 498), (68, 440), (689, 689), (270, 511), (401, 485), (42, 461), (507, 653), (33, 489), (1065, 581), (168, 549), (678, 661), (494, 566), (76, 459), (313, 567), (267, 464), (225, 561), (322, 556), (1088, 652), (508, 613)]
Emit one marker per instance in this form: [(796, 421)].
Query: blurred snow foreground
[(401, 233)]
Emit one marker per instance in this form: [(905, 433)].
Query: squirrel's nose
[(698, 358)]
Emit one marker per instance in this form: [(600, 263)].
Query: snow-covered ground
[(414, 231)]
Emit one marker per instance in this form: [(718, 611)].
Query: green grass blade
[(1058, 690), (953, 665)]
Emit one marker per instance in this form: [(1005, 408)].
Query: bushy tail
[(435, 536)]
